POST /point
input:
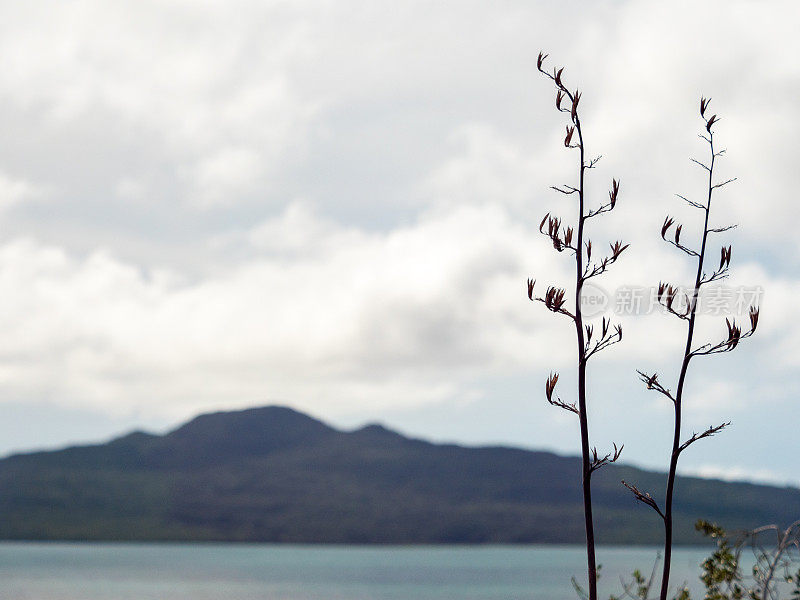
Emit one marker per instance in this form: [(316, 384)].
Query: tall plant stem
[(562, 239), (687, 356), (582, 416)]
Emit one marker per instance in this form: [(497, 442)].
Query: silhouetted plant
[(572, 238), (775, 571), (685, 309), (638, 588)]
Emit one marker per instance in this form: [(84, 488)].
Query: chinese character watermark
[(714, 300)]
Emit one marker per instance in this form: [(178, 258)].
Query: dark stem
[(582, 416), (687, 355)]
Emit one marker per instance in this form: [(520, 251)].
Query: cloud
[(334, 205), (729, 473), (205, 92), (401, 318), (14, 191), (224, 175), (484, 167)]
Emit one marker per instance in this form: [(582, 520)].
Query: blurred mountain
[(275, 475)]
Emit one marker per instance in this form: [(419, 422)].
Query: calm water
[(52, 571)]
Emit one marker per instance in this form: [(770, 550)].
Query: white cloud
[(368, 179), (734, 473), (406, 317), (14, 191), (224, 175), (715, 398), (205, 90), (485, 167)]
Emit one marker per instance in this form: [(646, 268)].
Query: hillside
[(273, 474)]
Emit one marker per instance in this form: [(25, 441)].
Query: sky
[(333, 206)]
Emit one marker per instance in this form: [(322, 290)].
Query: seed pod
[(550, 385), (575, 99), (612, 195), (541, 225), (652, 380), (617, 248), (734, 332), (661, 288), (665, 227), (568, 139), (703, 105), (753, 318)]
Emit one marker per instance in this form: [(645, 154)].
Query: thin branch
[(558, 310), (604, 208), (567, 189), (549, 388), (691, 202), (680, 315), (593, 162), (666, 297), (685, 249), (722, 271), (570, 407), (699, 436), (724, 183), (593, 270), (561, 237), (654, 384), (644, 498), (605, 341), (730, 343), (553, 298), (722, 229), (715, 276), (675, 240), (598, 462), (609, 206)]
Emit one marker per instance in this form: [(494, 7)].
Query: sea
[(133, 571)]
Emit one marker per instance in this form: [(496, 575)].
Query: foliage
[(775, 574)]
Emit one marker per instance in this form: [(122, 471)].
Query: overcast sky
[(211, 205)]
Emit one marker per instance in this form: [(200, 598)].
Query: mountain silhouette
[(273, 474)]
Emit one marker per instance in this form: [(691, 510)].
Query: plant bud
[(568, 139), (665, 227)]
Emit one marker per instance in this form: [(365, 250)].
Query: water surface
[(56, 571)]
